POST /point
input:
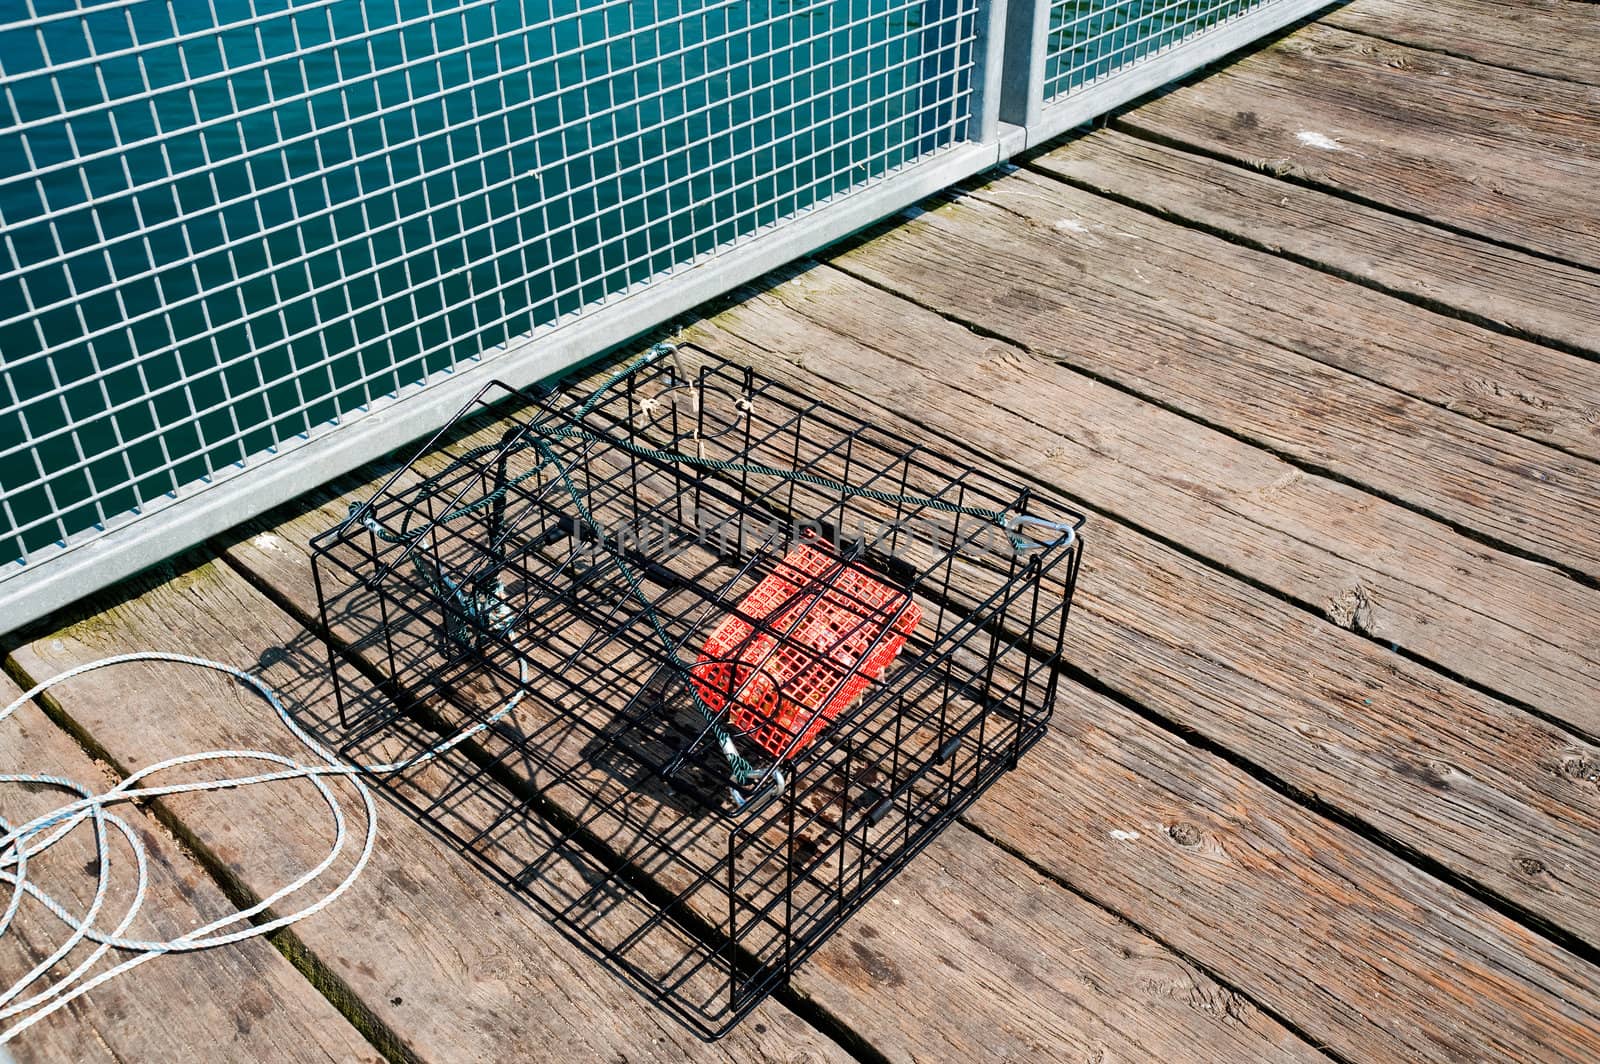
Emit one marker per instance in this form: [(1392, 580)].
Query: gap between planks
[(1479, 150), (1225, 335), (1550, 38), (1527, 389)]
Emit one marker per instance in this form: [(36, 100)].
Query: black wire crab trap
[(735, 656)]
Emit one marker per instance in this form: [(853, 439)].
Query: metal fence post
[(1070, 62), (1022, 88), (989, 52)]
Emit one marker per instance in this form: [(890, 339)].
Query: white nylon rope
[(23, 843)]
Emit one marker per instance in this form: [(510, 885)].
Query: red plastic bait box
[(802, 647)]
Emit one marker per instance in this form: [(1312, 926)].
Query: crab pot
[(760, 650)]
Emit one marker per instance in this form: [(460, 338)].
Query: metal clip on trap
[(766, 652)]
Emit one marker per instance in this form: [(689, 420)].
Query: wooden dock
[(1315, 340)]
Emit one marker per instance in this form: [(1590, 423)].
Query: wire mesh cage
[(735, 655)]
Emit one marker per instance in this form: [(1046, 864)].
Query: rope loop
[(21, 844)]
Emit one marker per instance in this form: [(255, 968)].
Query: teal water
[(217, 241)]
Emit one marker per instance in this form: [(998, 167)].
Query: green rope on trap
[(476, 611), (488, 611), (740, 769)]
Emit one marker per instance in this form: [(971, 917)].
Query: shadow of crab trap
[(756, 652)]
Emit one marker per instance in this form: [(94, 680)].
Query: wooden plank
[(449, 964), (1555, 38), (1451, 773), (1512, 625), (923, 981), (1218, 332), (1493, 152), (1540, 393), (242, 1003), (1296, 869), (970, 953), (1078, 1006), (1370, 957)]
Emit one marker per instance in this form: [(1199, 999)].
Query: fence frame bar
[(1027, 40)]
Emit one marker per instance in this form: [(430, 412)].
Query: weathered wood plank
[(1529, 389), (1456, 775), (1489, 151), (1432, 999), (1368, 956), (244, 1003), (1218, 331), (1555, 38), (443, 957), (1512, 625), (1098, 992), (968, 954)]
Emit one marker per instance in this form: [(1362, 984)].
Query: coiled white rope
[(23, 843)]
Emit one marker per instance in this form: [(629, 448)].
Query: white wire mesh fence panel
[(1090, 40), (229, 225)]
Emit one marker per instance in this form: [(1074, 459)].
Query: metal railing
[(249, 245), (1068, 61)]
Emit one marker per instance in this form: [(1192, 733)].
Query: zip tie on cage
[(654, 353), (488, 610), (23, 843), (739, 769)]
